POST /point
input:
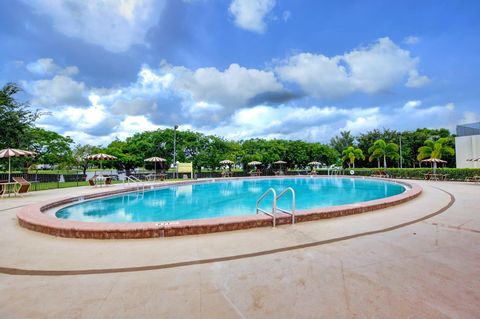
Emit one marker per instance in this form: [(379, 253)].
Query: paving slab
[(428, 269)]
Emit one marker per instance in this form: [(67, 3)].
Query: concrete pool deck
[(394, 262)]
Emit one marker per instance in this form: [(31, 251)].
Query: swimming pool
[(226, 198)]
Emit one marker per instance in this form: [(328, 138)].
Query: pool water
[(226, 198)]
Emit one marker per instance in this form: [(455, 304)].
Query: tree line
[(371, 149), (391, 148)]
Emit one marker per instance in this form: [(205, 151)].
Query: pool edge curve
[(33, 218)]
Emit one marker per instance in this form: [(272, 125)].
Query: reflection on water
[(226, 198)]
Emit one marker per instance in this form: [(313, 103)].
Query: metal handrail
[(274, 205), (292, 212), (134, 179)]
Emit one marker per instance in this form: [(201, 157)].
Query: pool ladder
[(135, 181), (275, 209)]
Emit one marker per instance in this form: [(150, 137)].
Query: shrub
[(457, 174)]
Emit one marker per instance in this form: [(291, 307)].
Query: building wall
[(467, 147)]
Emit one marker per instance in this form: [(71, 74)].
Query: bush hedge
[(454, 174)]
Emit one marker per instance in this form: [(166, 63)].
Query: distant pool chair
[(24, 186), (3, 187), (93, 181)]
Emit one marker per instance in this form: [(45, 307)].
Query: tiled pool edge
[(33, 218)]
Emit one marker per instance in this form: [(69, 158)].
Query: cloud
[(60, 90), (317, 123), (232, 88), (411, 40), (115, 25), (307, 123), (286, 15), (46, 66), (249, 15), (370, 69), (416, 80), (470, 117)]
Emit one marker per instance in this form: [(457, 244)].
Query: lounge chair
[(474, 179), (24, 186), (93, 181), (3, 187), (108, 180), (380, 173)]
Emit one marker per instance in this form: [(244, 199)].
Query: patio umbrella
[(11, 152), (156, 160), (280, 162), (101, 157), (227, 162), (434, 161), (314, 163), (254, 163)]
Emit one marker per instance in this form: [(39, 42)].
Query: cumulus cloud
[(46, 66), (369, 69), (250, 14), (416, 80), (316, 123), (60, 90), (115, 25), (231, 88)]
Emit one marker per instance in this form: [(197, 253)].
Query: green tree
[(15, 118), (380, 149), (350, 154), (342, 141), (435, 149), (50, 147), (126, 159), (366, 140)]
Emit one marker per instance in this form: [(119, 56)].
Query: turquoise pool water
[(226, 198)]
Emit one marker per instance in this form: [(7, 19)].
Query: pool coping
[(33, 217)]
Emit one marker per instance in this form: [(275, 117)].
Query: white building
[(467, 145)]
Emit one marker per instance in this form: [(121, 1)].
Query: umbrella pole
[(9, 169)]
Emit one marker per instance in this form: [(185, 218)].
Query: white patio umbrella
[(434, 161), (156, 160), (314, 163), (227, 162), (11, 152), (254, 163), (101, 157)]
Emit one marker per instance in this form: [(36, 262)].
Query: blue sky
[(243, 68)]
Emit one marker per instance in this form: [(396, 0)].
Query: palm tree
[(350, 154), (381, 149), (435, 149)]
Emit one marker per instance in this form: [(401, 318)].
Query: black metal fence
[(43, 181)]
